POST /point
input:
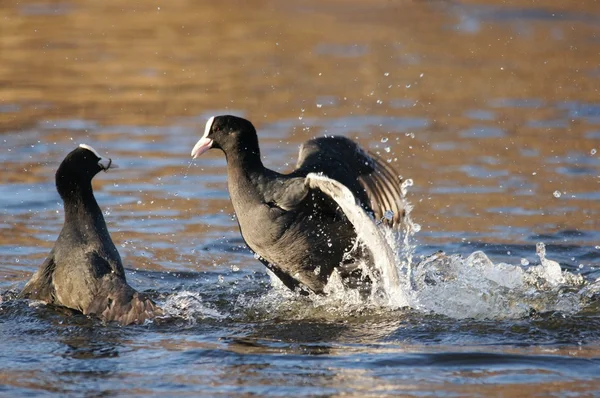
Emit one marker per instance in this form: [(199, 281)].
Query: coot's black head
[(234, 135), (79, 167)]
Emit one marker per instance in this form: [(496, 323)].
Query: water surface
[(490, 107)]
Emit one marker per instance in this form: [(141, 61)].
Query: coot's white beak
[(107, 164), (205, 143), (201, 146)]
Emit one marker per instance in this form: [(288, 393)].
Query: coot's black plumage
[(83, 270), (298, 231)]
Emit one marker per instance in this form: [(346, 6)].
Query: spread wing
[(365, 229), (370, 179)]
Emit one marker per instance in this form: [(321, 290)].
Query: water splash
[(372, 237), (472, 287), (189, 306), (475, 287)]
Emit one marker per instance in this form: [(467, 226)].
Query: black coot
[(298, 231), (83, 270)]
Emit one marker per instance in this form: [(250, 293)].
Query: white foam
[(190, 306), (89, 148), (476, 287)]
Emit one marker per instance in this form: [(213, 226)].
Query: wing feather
[(371, 180)]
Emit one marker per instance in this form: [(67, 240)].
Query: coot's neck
[(81, 209), (244, 171), (244, 153), (243, 156)]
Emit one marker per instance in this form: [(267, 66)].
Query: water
[(488, 120)]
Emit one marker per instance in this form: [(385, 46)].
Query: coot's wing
[(100, 265), (370, 179), (383, 187), (40, 286), (380, 251), (293, 193), (287, 194)]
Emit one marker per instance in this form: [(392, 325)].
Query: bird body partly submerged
[(84, 271), (295, 244), (298, 231)]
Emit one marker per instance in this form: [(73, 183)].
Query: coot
[(83, 270), (299, 232)]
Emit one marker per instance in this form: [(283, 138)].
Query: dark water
[(491, 108)]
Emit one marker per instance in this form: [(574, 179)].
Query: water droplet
[(319, 105), (17, 260), (405, 184), (408, 86), (221, 279), (387, 149), (540, 249), (388, 215), (235, 268), (422, 74), (556, 194), (379, 101), (580, 266), (139, 202), (386, 74), (524, 261), (384, 139), (593, 151)]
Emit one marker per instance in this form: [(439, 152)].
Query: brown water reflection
[(510, 65)]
